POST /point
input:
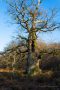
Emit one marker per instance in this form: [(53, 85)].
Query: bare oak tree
[(32, 19)]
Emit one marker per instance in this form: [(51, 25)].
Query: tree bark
[(31, 47), (29, 57)]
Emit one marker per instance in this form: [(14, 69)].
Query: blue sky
[(7, 30)]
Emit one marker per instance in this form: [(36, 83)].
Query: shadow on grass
[(13, 81)]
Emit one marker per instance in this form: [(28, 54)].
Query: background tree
[(32, 20)]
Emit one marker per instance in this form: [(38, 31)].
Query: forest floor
[(13, 81)]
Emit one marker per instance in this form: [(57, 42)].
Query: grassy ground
[(14, 81)]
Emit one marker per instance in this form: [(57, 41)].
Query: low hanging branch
[(13, 49)]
